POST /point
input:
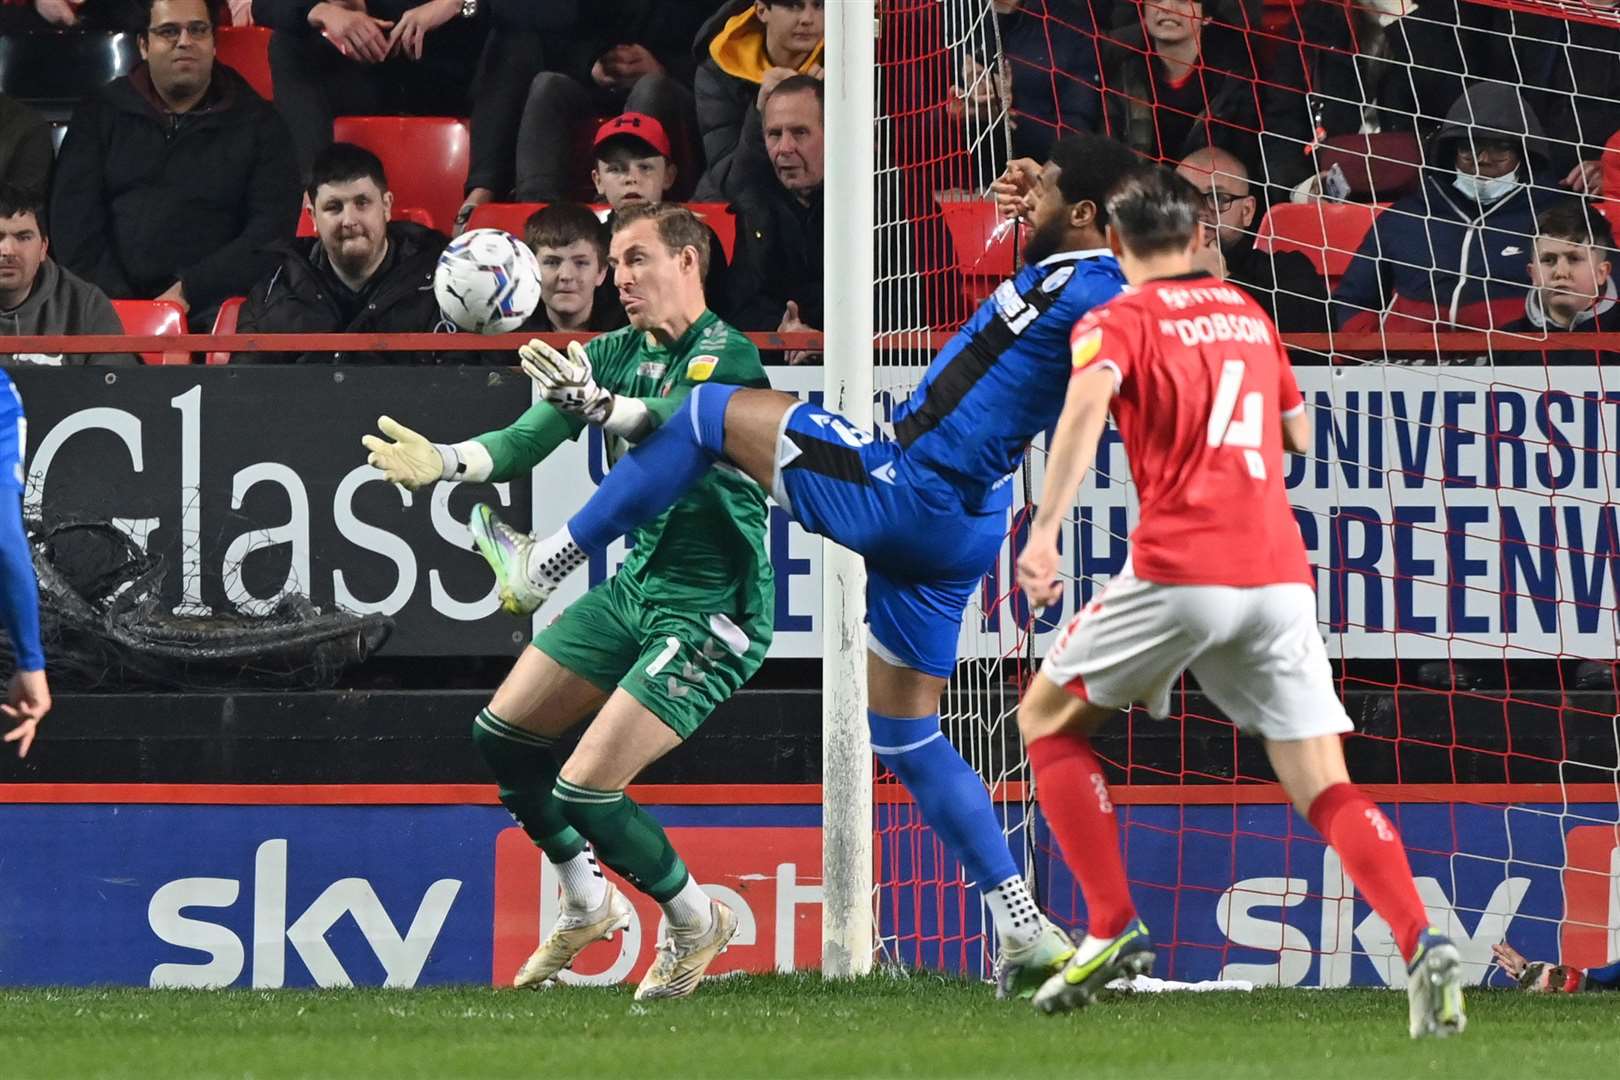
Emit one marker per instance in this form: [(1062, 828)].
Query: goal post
[(847, 935)]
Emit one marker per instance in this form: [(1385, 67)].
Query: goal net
[(1458, 503)]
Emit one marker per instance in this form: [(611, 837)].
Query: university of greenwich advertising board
[(1456, 511)]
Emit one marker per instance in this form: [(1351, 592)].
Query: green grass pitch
[(787, 1026)]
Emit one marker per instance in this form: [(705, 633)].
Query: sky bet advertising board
[(415, 895)]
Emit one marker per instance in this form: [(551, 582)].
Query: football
[(487, 282)]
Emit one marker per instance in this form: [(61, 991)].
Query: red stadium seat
[(425, 157), (306, 223), (246, 50), (154, 317), (1379, 168), (1329, 233), (720, 218), (225, 323), (982, 257)]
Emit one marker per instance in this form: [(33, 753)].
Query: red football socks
[(1074, 797), (1371, 852)]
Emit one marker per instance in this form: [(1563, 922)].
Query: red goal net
[(1455, 344)]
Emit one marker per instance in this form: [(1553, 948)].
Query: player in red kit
[(1217, 581)]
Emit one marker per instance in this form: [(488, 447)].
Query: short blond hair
[(677, 227)]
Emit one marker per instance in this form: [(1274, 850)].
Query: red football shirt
[(1202, 383)]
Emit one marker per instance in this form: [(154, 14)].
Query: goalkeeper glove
[(567, 381), (412, 462)]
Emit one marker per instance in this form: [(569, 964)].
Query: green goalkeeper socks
[(525, 768), (625, 837)]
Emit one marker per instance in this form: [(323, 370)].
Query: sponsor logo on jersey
[(651, 369), (1057, 279), (699, 368), (1012, 308), (1086, 347)]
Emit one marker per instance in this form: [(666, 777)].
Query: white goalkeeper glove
[(412, 462), (566, 380)]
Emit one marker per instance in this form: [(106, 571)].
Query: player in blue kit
[(28, 698), (928, 509)]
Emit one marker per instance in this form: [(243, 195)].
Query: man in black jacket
[(174, 177), (1285, 283), (368, 58), (362, 274), (777, 273), (743, 52)]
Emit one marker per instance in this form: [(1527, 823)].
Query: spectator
[(629, 56), (744, 51), (779, 241), (1572, 289), (34, 16), (361, 274), (1372, 66), (360, 58), (1285, 283), (1570, 77), (173, 178), (1048, 84), (25, 146), (39, 297), (1178, 82), (523, 37), (572, 246), (635, 166), (1453, 253)]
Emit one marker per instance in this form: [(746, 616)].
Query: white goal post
[(847, 932)]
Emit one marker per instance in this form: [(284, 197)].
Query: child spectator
[(745, 50), (1570, 274), (575, 293), (628, 56), (635, 166)]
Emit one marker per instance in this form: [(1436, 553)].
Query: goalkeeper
[(652, 650)]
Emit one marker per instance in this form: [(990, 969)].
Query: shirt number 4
[(1242, 432)]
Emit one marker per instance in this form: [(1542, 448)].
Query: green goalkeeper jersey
[(708, 552)]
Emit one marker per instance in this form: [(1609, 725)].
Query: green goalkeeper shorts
[(679, 664)]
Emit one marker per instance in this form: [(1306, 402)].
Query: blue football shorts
[(925, 551)]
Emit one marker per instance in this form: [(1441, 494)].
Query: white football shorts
[(1256, 652)]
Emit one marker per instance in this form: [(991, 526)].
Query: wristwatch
[(469, 8)]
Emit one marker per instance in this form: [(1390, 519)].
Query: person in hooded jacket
[(173, 179), (745, 50), (1455, 253), (39, 297), (361, 274)]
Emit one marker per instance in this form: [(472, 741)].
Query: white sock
[(583, 885), (553, 558), (1018, 919), (689, 910)]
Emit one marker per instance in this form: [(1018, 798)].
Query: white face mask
[(1486, 189)]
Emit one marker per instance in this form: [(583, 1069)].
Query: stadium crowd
[(1368, 163)]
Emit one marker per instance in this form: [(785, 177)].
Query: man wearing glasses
[(174, 178), (1299, 304)]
